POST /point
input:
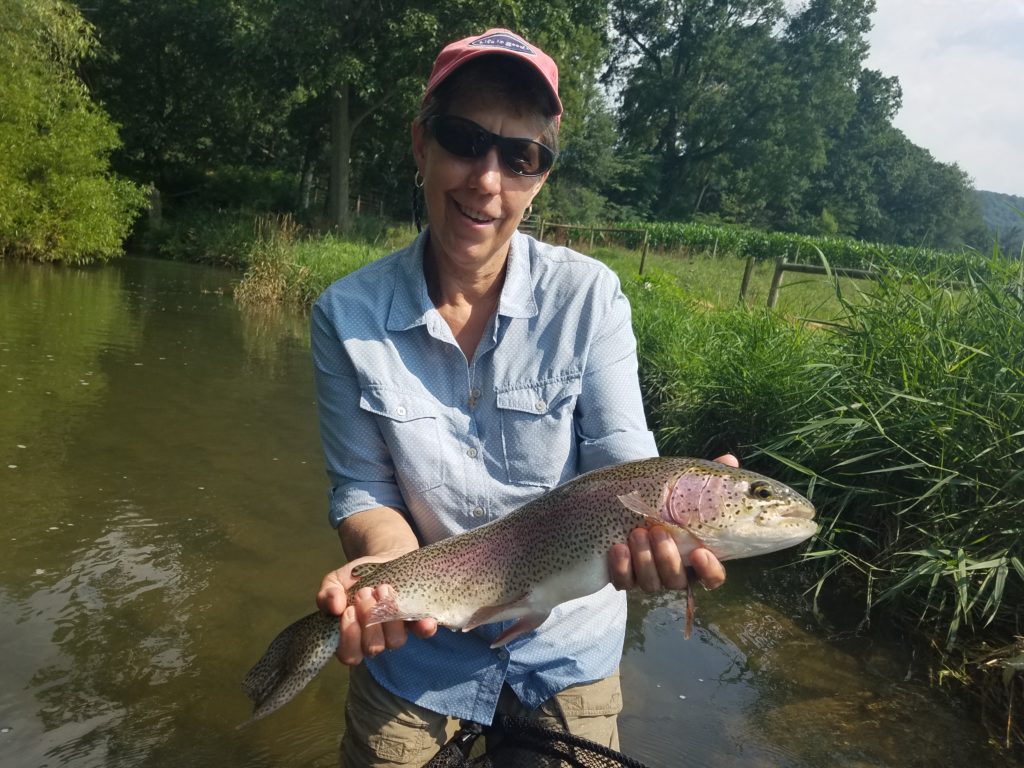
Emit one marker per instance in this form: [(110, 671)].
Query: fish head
[(737, 513)]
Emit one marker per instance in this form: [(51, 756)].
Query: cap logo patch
[(505, 42)]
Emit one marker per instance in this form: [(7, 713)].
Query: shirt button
[(400, 410), (502, 654), (474, 393), (540, 405), (471, 453), (478, 512)]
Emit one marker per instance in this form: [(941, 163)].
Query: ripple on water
[(115, 651)]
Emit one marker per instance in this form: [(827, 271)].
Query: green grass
[(716, 280), (284, 266)]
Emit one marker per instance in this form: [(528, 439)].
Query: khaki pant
[(385, 731)]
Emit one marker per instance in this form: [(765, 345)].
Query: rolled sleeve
[(358, 462)]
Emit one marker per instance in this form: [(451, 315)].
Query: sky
[(961, 66)]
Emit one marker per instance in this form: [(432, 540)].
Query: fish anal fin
[(387, 609), (634, 503)]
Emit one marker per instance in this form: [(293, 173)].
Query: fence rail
[(781, 267), (540, 228)]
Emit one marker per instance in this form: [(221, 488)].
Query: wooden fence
[(781, 267), (540, 228)]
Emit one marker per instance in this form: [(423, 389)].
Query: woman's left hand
[(652, 561)]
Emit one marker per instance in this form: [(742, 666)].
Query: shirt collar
[(410, 302), (517, 299)]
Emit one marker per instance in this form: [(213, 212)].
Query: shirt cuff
[(351, 498)]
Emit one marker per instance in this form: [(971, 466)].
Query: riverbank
[(900, 414)]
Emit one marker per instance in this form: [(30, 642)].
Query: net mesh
[(518, 742)]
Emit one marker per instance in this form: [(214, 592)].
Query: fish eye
[(761, 490)]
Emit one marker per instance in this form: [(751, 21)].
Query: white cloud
[(961, 66)]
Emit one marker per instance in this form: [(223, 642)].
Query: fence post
[(591, 240), (748, 270), (773, 292), (643, 252), (540, 231)]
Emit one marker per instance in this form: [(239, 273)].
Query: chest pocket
[(411, 430), (537, 432)]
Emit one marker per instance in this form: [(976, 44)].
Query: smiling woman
[(458, 379)]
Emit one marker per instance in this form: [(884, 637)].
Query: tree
[(180, 79), (58, 199), (696, 81)]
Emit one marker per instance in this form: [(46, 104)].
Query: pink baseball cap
[(493, 41)]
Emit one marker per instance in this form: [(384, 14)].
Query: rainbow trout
[(546, 552)]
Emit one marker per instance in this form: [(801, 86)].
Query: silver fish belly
[(548, 551)]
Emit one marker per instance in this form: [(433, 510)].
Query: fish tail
[(291, 660)]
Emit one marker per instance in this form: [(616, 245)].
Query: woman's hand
[(651, 560), (359, 641)]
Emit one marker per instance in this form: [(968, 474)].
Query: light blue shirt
[(408, 422)]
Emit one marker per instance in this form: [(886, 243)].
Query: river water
[(164, 515)]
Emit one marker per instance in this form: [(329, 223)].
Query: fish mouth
[(799, 511)]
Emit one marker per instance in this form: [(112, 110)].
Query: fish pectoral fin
[(528, 623), (634, 503)]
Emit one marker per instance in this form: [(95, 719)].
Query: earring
[(527, 213), (418, 180)]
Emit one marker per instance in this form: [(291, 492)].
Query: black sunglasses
[(464, 138)]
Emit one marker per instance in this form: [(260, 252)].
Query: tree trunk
[(307, 173), (341, 147)]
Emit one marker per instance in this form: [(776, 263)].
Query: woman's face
[(475, 204)]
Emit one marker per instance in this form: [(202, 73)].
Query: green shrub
[(58, 198)]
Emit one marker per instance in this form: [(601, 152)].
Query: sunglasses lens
[(464, 138), (527, 158), (461, 137)]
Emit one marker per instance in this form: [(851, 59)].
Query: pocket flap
[(396, 404), (540, 397)]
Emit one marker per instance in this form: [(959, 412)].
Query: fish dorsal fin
[(634, 503)]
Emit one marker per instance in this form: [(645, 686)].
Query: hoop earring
[(527, 213), (418, 180)]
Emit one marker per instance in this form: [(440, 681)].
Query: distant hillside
[(1004, 217)]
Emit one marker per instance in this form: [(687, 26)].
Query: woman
[(459, 378)]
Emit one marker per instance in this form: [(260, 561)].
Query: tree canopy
[(747, 111)]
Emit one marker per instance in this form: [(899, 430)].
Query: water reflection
[(762, 687)]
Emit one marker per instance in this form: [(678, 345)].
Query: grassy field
[(284, 266), (716, 280)]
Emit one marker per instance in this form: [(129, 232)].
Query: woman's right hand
[(359, 641)]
